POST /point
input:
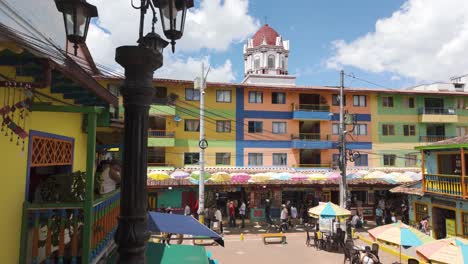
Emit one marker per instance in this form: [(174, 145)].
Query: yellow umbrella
[(261, 177), (220, 177), (316, 177), (158, 175)]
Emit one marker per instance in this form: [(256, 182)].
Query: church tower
[(266, 59)]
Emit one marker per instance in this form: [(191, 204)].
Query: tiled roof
[(414, 188), (452, 141), (265, 32)]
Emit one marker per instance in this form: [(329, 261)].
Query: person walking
[(284, 218), (242, 209), (219, 219), (232, 214), (293, 216), (267, 212), (378, 216)]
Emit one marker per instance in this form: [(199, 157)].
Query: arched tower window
[(257, 63), (271, 61)]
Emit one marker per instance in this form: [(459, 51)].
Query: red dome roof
[(269, 33)]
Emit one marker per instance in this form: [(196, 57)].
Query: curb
[(384, 247)]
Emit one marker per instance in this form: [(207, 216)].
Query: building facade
[(264, 123)]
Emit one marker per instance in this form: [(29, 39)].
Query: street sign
[(203, 144)]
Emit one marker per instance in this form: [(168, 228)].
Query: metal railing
[(443, 184), (437, 111), (434, 138), (311, 107), (310, 136), (160, 133)]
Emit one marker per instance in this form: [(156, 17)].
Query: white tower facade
[(266, 59)]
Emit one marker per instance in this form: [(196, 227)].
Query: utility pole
[(200, 83), (342, 147)]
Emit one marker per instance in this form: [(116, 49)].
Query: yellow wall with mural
[(13, 164)]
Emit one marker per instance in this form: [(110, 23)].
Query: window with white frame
[(359, 100), (279, 128), (223, 96), (255, 97), (411, 160), (409, 130), (255, 127), (388, 130), (255, 159), (192, 125), (408, 102), (257, 63), (223, 126), (192, 94), (461, 131), (278, 98), (336, 100), (361, 160), (387, 101), (389, 159), (223, 158), (191, 158), (335, 129), (280, 159), (360, 130), (271, 62)]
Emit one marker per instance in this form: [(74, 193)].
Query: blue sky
[(394, 43), (311, 27)]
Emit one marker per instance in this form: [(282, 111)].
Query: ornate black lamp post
[(76, 15), (140, 62)]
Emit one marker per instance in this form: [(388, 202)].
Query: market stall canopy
[(158, 175), (168, 254), (180, 224), (180, 174), (452, 250), (328, 210)]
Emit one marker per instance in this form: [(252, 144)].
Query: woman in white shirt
[(219, 218)]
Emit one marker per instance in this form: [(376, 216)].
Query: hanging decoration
[(17, 101)]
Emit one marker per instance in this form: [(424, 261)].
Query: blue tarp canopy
[(181, 224)]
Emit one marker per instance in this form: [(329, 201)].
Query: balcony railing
[(433, 138), (443, 184), (437, 111), (53, 232), (160, 133), (310, 136), (311, 107)]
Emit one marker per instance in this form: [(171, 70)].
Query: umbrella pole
[(400, 254)]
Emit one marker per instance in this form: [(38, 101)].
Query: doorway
[(440, 215), (310, 157)]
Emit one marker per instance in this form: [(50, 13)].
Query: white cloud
[(215, 25), (425, 40)]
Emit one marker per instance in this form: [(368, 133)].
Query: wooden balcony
[(445, 184), (55, 232)]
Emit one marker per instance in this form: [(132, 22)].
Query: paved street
[(252, 250)]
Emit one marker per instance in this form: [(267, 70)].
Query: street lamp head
[(153, 42), (173, 14), (76, 15)]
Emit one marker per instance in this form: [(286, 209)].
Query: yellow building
[(49, 111)]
